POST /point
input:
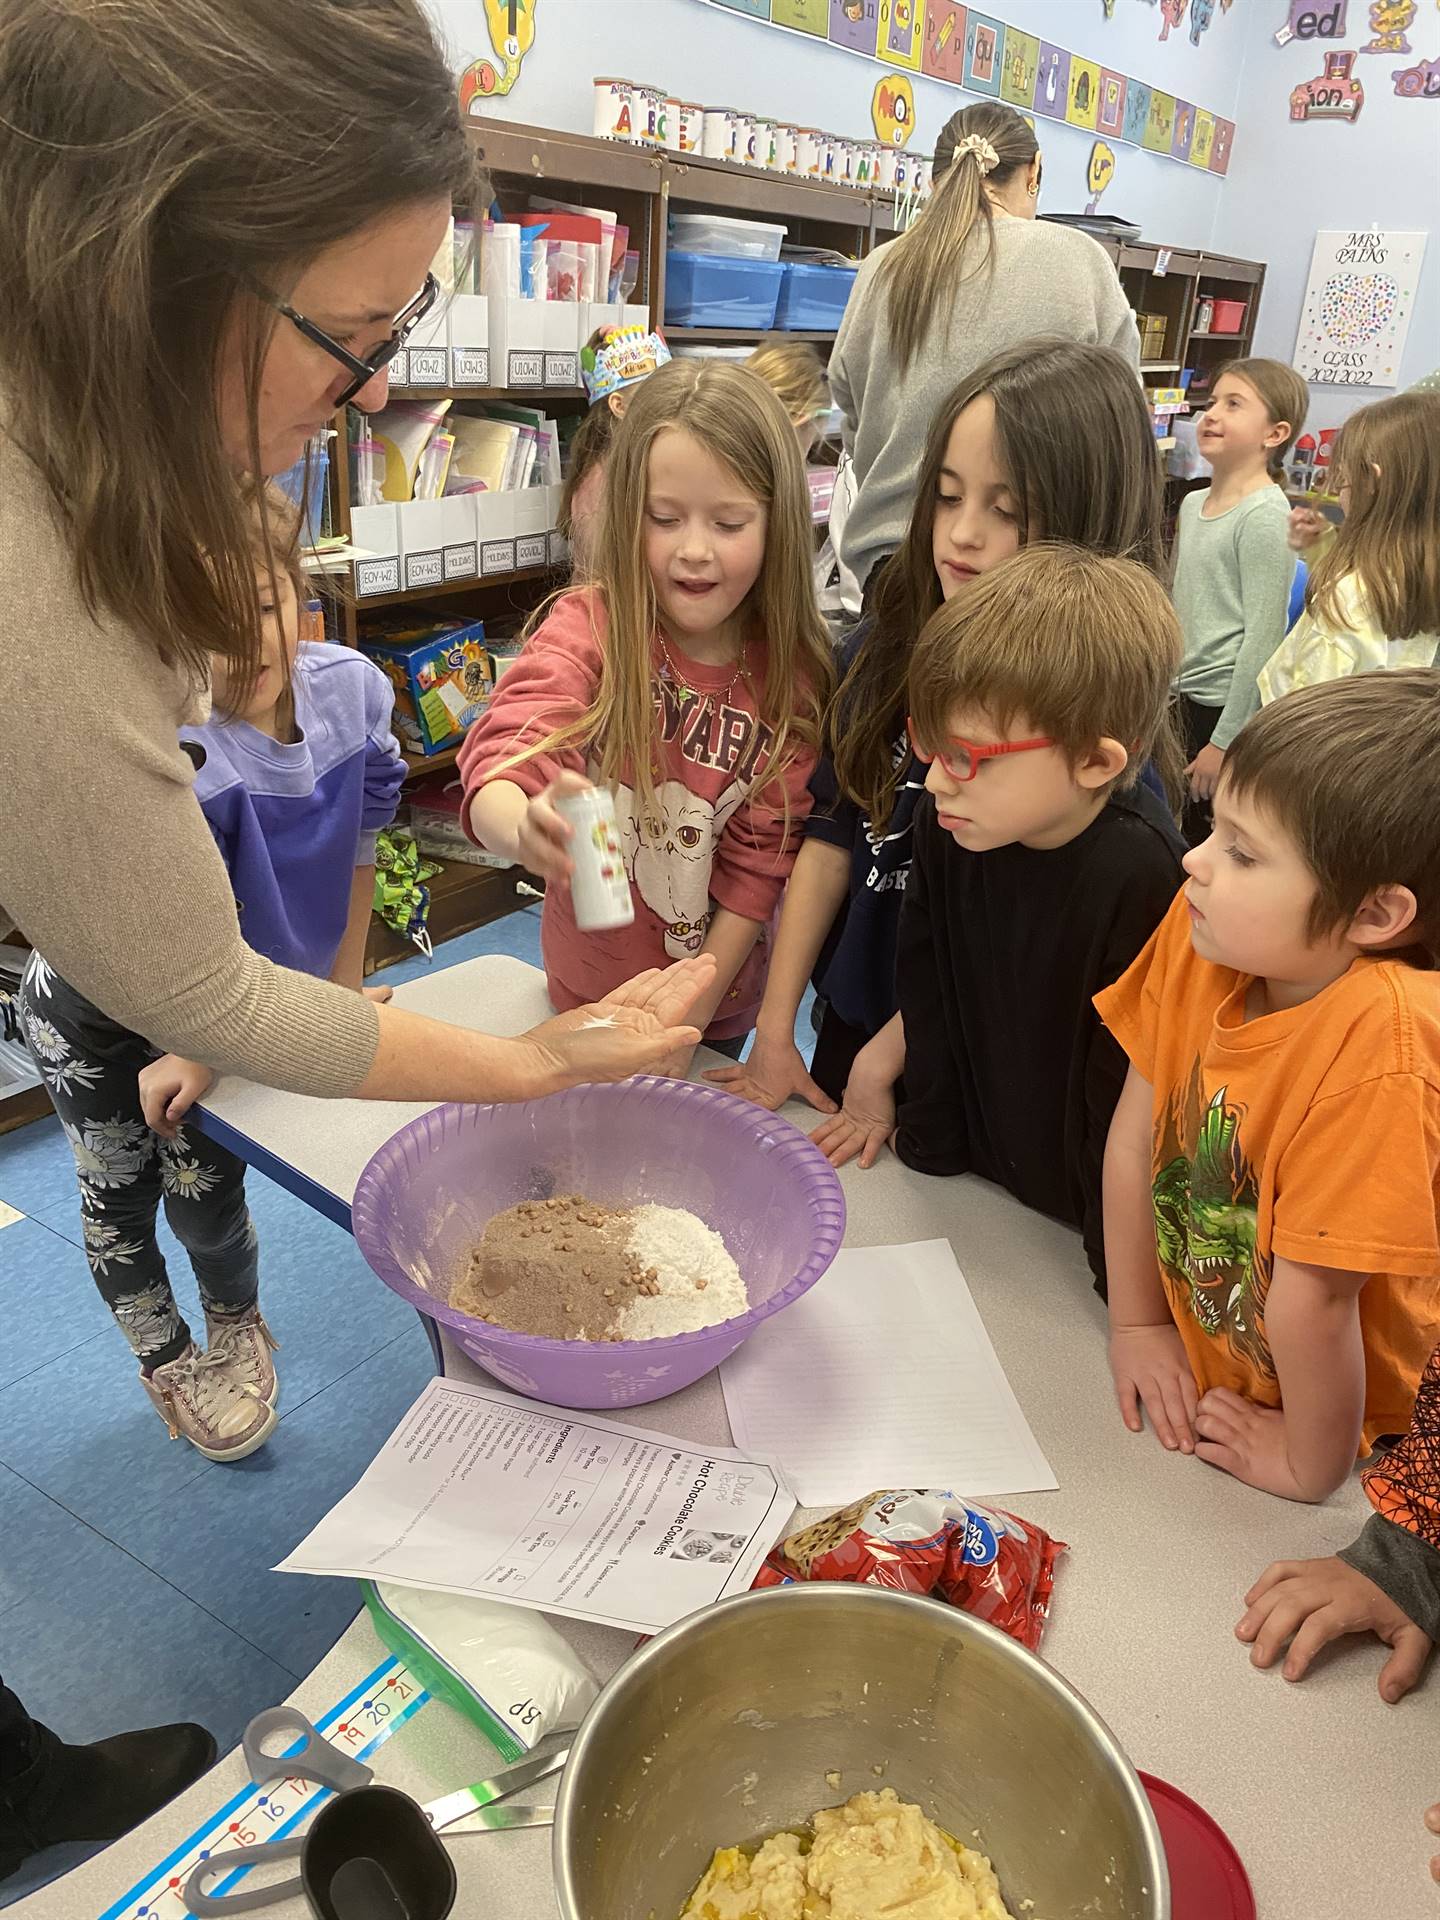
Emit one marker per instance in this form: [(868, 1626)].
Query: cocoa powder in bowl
[(559, 1268)]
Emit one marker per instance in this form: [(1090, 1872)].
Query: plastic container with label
[(612, 108), (717, 134), (684, 127), (813, 297), (716, 290), (737, 239), (600, 894)]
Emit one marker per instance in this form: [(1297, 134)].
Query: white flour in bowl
[(699, 1283)]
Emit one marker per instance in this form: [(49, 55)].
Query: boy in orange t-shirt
[(1272, 1171)]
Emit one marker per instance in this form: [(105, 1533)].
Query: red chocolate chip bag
[(989, 1563)]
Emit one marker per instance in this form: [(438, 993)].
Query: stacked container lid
[(722, 272)]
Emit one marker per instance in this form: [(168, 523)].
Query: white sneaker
[(245, 1344), (199, 1401)]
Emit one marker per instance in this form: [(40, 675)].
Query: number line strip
[(141, 1899)]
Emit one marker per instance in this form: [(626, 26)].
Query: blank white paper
[(883, 1375)]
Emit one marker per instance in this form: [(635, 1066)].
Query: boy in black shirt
[(1041, 866)]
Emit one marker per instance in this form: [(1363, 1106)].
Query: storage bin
[(736, 239), (711, 290), (813, 296), (1228, 317)]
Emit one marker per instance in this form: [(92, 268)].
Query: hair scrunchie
[(986, 158)]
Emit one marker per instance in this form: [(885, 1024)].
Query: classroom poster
[(854, 24), (1356, 313), (1160, 127), (1203, 139), (1022, 62), (1052, 81), (1137, 113), (805, 16), (984, 53), (962, 47), (1184, 133), (942, 51), (899, 25), (1083, 104), (1110, 114)]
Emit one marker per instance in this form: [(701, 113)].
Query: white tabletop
[(1320, 1786)]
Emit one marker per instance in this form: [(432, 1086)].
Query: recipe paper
[(883, 1375), (478, 1491)]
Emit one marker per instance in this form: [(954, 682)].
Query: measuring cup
[(372, 1853)]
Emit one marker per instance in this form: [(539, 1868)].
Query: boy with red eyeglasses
[(1041, 866)]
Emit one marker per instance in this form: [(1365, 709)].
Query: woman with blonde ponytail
[(973, 277)]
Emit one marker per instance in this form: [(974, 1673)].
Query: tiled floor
[(134, 1575)]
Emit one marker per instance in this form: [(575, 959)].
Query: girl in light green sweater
[(1233, 566)]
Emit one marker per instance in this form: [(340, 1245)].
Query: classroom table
[(1321, 1786)]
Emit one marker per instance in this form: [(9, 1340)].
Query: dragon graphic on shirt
[(1206, 1199)]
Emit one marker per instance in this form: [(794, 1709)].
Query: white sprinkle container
[(648, 104), (829, 158), (599, 886), (920, 175), (807, 152), (785, 139), (744, 139), (665, 102), (718, 132), (612, 109), (688, 117), (767, 143), (885, 169)]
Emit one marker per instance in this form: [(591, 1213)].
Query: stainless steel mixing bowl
[(724, 1728)]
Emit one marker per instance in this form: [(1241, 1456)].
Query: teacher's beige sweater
[(107, 865)]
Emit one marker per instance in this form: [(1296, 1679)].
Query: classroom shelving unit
[(644, 185)]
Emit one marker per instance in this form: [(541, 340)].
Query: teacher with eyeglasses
[(216, 225)]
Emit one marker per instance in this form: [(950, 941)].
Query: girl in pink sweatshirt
[(690, 677)]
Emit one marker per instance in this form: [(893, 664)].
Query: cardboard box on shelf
[(442, 677)]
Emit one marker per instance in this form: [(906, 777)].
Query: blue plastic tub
[(813, 297), (720, 290)]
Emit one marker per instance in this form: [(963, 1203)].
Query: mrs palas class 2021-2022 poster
[(1357, 307)]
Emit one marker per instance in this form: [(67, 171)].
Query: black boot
[(97, 1792)]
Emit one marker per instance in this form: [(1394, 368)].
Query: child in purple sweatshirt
[(296, 776)]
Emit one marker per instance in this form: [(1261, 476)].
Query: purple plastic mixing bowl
[(422, 1203)]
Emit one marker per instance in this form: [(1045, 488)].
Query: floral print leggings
[(91, 1066)]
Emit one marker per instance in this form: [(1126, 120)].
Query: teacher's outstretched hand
[(633, 1030)]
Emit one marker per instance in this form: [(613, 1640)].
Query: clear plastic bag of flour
[(505, 1668)]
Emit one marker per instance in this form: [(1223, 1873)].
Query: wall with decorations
[(1338, 169), (728, 55), (1306, 114)]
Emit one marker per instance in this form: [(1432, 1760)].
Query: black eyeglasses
[(363, 371)]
